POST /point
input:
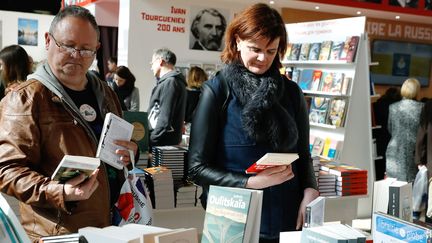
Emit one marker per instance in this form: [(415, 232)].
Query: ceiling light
[(317, 7), (272, 2), (397, 17), (358, 12)]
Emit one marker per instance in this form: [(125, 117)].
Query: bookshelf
[(356, 131)]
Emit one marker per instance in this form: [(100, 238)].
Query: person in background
[(403, 124), (208, 28), (196, 78), (112, 66), (15, 66), (167, 105), (265, 112), (124, 87), (381, 112), (60, 110), (423, 151)]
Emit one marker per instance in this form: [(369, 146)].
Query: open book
[(271, 160), (72, 165), (114, 128)]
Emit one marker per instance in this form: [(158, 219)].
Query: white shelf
[(324, 125), (325, 94), (319, 63)]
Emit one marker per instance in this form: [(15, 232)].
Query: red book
[(347, 170), (271, 160)]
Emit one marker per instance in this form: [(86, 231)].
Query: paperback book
[(140, 132), (114, 128), (336, 116), (314, 51), (232, 215), (325, 50), (305, 80), (71, 166), (271, 160), (304, 52), (318, 110)]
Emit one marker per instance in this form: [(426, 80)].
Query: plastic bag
[(420, 188), (134, 204)]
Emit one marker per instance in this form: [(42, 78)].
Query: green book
[(141, 130), (232, 215)]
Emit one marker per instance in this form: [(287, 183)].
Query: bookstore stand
[(353, 131)]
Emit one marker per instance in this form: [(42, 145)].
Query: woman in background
[(124, 87), (264, 112), (403, 124), (15, 66), (196, 78)]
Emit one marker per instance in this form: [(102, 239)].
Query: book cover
[(326, 148), (304, 52), (325, 50), (336, 114), (71, 166), (318, 110), (386, 228), (140, 132), (326, 81), (305, 79), (346, 170), (114, 128), (400, 200), (232, 215), (295, 75), (287, 53), (271, 160), (316, 79), (336, 86), (295, 51), (318, 146), (336, 50), (314, 51), (346, 85), (179, 235), (314, 214), (352, 49), (320, 234)]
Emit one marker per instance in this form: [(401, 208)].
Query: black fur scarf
[(263, 117)]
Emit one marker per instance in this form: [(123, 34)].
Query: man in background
[(168, 100), (112, 66), (208, 28)]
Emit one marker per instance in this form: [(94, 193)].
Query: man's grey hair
[(74, 11), (166, 55), (197, 19)]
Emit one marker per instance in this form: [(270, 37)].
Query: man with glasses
[(58, 111)]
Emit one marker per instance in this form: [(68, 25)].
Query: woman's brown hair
[(196, 77), (258, 21), (16, 64)]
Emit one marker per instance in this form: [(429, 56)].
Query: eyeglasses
[(71, 50)]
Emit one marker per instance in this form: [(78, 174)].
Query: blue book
[(305, 79), (386, 228), (232, 215)]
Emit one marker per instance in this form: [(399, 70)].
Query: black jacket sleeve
[(203, 169)]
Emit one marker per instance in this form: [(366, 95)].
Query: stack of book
[(350, 180), (326, 184), (160, 183), (186, 196), (172, 157), (332, 233)]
